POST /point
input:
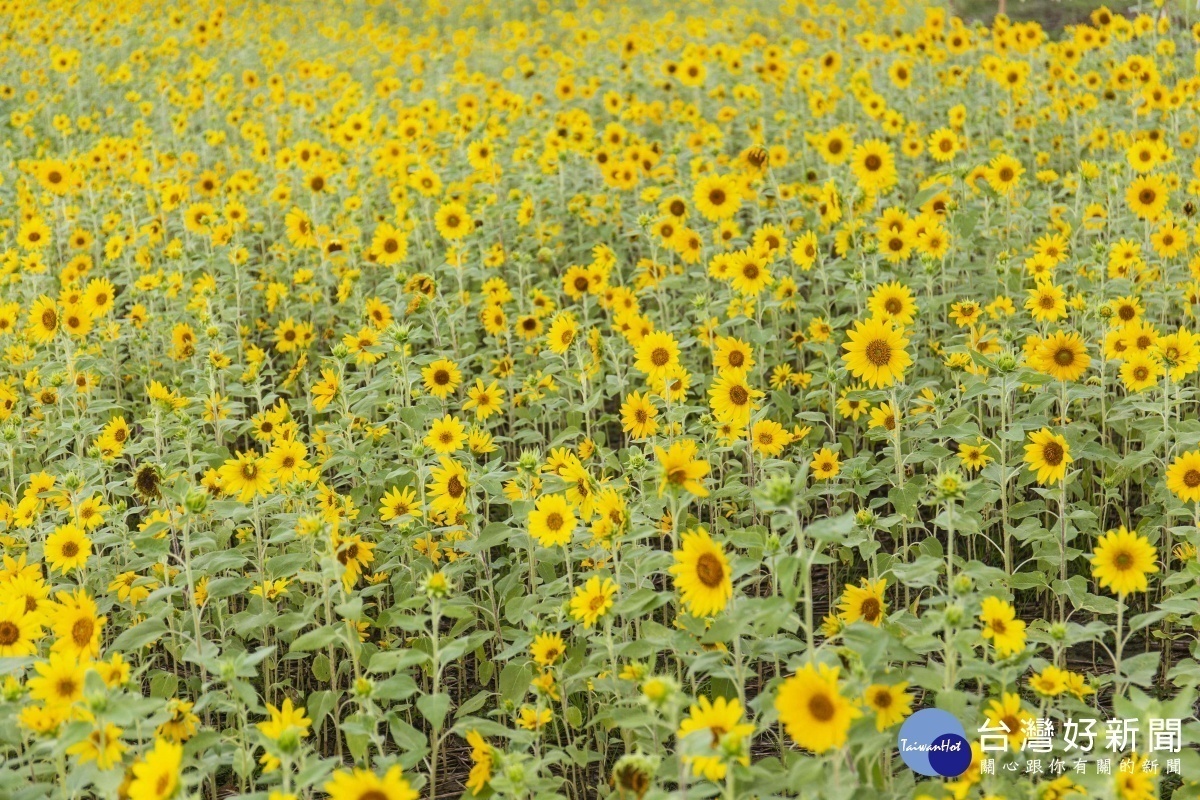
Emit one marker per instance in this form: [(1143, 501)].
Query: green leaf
[(434, 707)]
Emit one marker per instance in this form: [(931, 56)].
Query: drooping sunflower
[(813, 710), (1122, 560), (702, 574), (1049, 455), (875, 352)]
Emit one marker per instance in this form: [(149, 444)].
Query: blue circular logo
[(933, 743)]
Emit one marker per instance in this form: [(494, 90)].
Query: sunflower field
[(596, 400)]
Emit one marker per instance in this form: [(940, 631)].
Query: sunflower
[(452, 221), (974, 456), (552, 521), (562, 333), (825, 464), (481, 763), (875, 352), (714, 730), (1063, 356), (865, 603), (399, 503), (103, 745), (445, 435), (485, 400), (59, 681), (284, 460), (76, 624), (1122, 560), (1008, 714), (1046, 302), (657, 354), (1048, 455), (891, 704), (1137, 779), (1001, 626), (593, 600), (702, 574), (769, 438), (1147, 197), (1140, 372), (1003, 173), (1183, 476), (156, 776), (893, 301), (731, 398), (20, 629), (749, 274), (449, 487), (67, 548), (441, 378), (547, 648), (245, 476), (681, 469), (874, 166), (638, 416), (716, 197), (44, 320), (812, 709)]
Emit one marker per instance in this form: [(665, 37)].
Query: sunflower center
[(738, 395), (9, 633), (70, 550), (49, 319), (821, 707), (554, 521), (893, 305), (717, 197), (454, 487), (81, 631), (1052, 453), (871, 609), (883, 699), (737, 358), (1147, 196), (879, 352), (1065, 357), (709, 570), (873, 162), (660, 356), (66, 687), (1191, 478), (1123, 560)]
